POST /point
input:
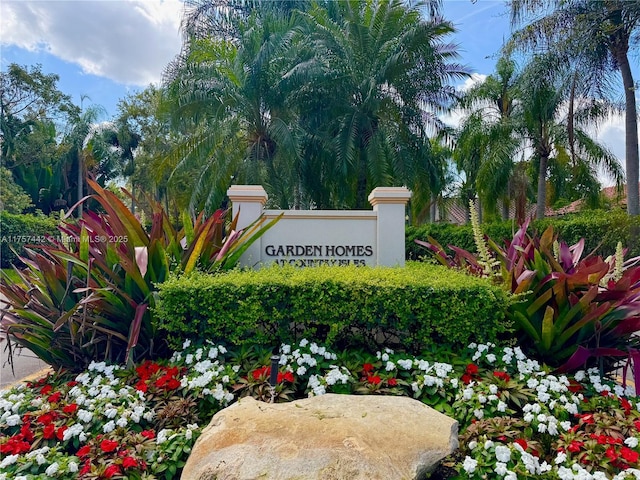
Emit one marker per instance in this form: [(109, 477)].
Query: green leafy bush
[(16, 231), (415, 306), (88, 295), (570, 310), (600, 229)]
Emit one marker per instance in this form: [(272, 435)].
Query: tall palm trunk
[(631, 135), (542, 186), (80, 180)]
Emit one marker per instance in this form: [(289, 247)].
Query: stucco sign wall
[(307, 238)]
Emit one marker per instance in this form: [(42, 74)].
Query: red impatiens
[(263, 373), (108, 445)]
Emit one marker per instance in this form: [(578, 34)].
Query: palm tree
[(226, 101), (552, 123), (598, 34), (486, 144), (375, 76)]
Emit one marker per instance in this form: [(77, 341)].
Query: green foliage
[(416, 306), (16, 231), (601, 230), (88, 295), (570, 311), (13, 198)]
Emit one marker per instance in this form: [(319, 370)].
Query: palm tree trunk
[(80, 180), (631, 136), (542, 187)]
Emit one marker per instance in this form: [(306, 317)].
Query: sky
[(103, 50)]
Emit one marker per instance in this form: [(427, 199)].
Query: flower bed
[(516, 419)]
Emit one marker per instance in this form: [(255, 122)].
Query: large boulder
[(326, 437)]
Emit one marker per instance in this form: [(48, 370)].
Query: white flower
[(502, 407), (406, 364), (9, 460), (501, 469), (13, 420), (631, 442), (301, 370), (390, 366), (186, 344), (503, 454), (109, 427), (488, 444), (469, 464), (52, 469), (491, 358), (478, 413), (472, 444), (385, 357), (41, 459)]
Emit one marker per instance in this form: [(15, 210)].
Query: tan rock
[(327, 437)]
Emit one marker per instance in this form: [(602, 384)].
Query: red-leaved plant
[(569, 311), (89, 293)]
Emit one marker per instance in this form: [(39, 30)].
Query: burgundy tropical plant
[(89, 293), (569, 311)]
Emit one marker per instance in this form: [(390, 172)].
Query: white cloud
[(128, 41)]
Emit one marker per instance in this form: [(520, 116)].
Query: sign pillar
[(248, 201), (389, 203)]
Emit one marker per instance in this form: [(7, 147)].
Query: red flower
[(26, 432), (574, 386), (86, 468), (611, 453), (150, 434), (46, 389), (70, 409), (466, 379), (575, 446), (46, 418), (15, 445), (55, 398), (108, 445), (60, 432), (72, 383), (111, 470), (129, 462), (502, 375), (84, 451), (287, 376), (522, 442), (367, 368), (626, 406), (392, 382), (147, 369), (472, 369), (637, 424), (49, 431), (629, 455), (374, 379), (141, 386), (261, 372)]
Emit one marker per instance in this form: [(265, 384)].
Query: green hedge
[(411, 308), (601, 229), (19, 230)]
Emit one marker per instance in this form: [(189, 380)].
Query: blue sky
[(105, 49)]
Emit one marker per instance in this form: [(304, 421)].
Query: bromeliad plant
[(570, 311), (89, 293)]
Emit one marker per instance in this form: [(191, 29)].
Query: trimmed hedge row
[(415, 307), (601, 229), (19, 230)]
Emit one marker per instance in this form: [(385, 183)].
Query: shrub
[(569, 310), (88, 295), (600, 229), (415, 306), (16, 231)]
